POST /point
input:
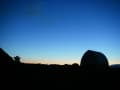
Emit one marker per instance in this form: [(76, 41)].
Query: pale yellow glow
[(114, 62), (45, 61), (61, 62)]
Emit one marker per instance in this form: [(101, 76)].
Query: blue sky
[(60, 31)]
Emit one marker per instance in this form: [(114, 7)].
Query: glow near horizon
[(60, 31)]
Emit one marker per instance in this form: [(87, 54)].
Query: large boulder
[(93, 60)]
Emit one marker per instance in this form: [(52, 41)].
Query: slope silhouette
[(5, 58)]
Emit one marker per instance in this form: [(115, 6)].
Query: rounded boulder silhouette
[(93, 60)]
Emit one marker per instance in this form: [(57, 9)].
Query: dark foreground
[(93, 72), (30, 76)]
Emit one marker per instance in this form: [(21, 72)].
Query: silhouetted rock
[(5, 58), (94, 61)]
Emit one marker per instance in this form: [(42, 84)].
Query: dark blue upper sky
[(60, 31)]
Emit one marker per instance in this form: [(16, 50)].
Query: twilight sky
[(60, 31)]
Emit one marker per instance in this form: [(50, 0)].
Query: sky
[(60, 31)]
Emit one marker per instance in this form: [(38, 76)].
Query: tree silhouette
[(75, 65), (17, 59)]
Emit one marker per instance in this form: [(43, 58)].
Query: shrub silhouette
[(17, 59), (93, 60)]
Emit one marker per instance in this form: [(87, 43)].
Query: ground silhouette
[(93, 72)]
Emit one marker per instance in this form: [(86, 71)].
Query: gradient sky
[(60, 31)]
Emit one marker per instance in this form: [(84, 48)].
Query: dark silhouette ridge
[(5, 58), (115, 66), (93, 60)]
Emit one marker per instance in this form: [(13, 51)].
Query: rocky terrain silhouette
[(93, 71)]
